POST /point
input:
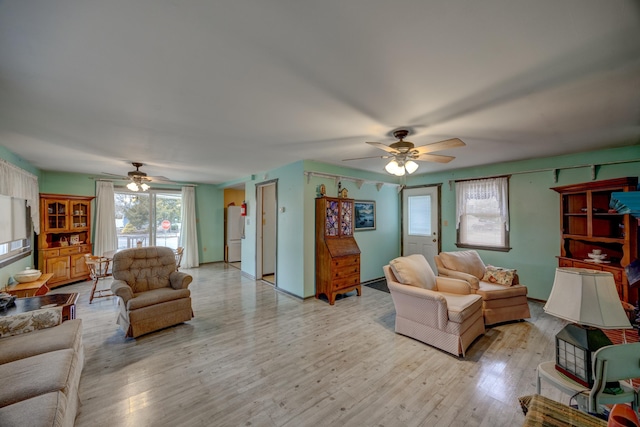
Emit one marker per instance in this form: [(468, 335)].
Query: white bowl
[(28, 275)]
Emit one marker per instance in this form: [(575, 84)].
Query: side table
[(23, 305), (23, 290), (548, 372)]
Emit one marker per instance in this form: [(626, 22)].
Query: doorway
[(421, 222), (266, 229)]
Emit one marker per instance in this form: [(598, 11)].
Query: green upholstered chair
[(614, 363)]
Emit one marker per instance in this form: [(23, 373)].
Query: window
[(419, 215), (15, 230), (482, 213), (148, 219)]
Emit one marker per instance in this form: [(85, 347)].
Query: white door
[(266, 231), (269, 229), (420, 219)]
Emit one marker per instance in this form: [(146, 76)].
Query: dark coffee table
[(23, 305)]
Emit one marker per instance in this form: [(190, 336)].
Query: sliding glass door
[(151, 218)]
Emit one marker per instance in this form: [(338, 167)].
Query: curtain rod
[(124, 179), (554, 170)]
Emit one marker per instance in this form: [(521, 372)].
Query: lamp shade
[(392, 167), (411, 166), (586, 297)]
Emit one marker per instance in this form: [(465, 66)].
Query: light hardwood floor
[(253, 356)]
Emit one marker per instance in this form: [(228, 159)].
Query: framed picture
[(364, 215)]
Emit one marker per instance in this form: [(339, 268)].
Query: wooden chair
[(178, 253), (98, 269)]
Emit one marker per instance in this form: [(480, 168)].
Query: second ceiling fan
[(404, 154), (139, 180)]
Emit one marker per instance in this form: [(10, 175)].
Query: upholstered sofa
[(503, 297), (41, 360), (438, 311), (153, 295)]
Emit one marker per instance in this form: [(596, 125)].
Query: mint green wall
[(535, 235), (209, 210), (296, 225), (28, 262), (534, 208), (290, 240), (67, 183), (210, 222), (377, 246)]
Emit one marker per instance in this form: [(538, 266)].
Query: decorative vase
[(622, 415)]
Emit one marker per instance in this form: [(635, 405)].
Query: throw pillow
[(414, 270), (465, 261), (499, 275), (30, 321)]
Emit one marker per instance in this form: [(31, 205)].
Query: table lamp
[(588, 299)]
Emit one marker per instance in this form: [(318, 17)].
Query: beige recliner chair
[(154, 295), (503, 298), (438, 311)]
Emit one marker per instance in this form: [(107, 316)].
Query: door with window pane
[(420, 219), (148, 219)]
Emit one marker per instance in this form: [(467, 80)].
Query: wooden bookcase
[(337, 253), (587, 223), (63, 220)]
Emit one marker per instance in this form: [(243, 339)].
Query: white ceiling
[(215, 90)]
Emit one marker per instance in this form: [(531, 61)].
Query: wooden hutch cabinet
[(587, 223), (337, 253), (65, 237)]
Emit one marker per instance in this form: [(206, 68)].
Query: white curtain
[(16, 182), (106, 237), (491, 188), (188, 233)]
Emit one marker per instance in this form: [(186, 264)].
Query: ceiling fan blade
[(160, 179), (115, 175), (371, 157), (437, 146), (434, 158), (381, 146)]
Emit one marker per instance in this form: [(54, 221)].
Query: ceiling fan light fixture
[(145, 187), (392, 167), (132, 186), (411, 166)]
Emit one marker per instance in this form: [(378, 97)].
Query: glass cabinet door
[(79, 213), (346, 218), (331, 218), (56, 211)]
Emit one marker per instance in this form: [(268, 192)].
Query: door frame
[(259, 229), (438, 188)]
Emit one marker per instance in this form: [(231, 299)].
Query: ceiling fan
[(405, 153), (139, 180)]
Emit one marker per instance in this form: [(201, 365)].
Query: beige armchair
[(438, 311), (153, 294), (503, 297)]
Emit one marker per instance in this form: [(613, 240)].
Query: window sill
[(8, 261), (484, 248)]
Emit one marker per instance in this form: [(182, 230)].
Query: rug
[(380, 284)]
